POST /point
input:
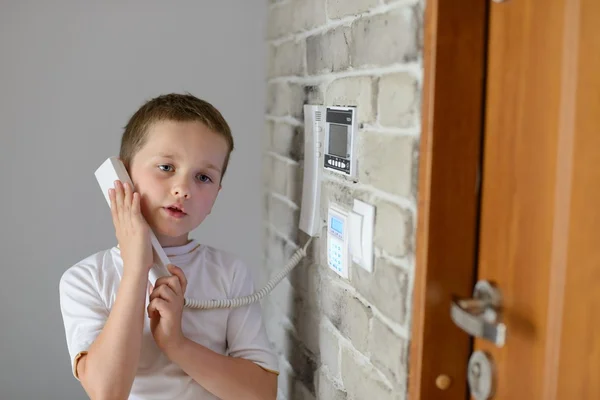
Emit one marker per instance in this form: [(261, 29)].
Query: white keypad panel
[(337, 241), (335, 255)]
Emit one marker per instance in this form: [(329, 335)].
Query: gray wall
[(71, 73)]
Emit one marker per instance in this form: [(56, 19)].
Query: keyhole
[(475, 378)]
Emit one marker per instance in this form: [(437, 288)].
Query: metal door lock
[(481, 376), (481, 315)]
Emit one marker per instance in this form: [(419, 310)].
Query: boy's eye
[(165, 167), (204, 178)]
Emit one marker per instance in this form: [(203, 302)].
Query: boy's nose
[(181, 192)]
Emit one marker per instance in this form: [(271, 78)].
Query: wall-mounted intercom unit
[(329, 143), (341, 126)]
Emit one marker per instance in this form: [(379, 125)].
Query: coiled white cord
[(242, 301)]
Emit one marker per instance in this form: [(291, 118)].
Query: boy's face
[(178, 173)]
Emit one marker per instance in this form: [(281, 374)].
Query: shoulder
[(89, 271)]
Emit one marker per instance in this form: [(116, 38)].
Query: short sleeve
[(83, 311), (246, 334)]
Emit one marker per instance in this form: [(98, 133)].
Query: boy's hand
[(132, 230), (166, 308)]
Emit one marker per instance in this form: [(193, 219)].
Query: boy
[(128, 340)]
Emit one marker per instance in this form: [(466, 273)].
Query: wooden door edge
[(447, 207)]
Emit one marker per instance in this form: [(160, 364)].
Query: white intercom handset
[(113, 169), (314, 131)]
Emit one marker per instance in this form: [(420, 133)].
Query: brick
[(342, 8), (295, 16), (266, 231), (282, 296), (393, 228), (268, 135), (386, 162), (355, 324), (279, 176), (276, 331), (285, 99), (386, 288), (305, 318), (353, 91), (284, 218), (398, 100), (361, 380), (314, 94), (308, 14), (328, 389), (388, 352), (288, 141), (339, 194), (279, 20), (329, 52), (279, 251), (329, 348), (267, 171), (385, 39), (304, 363), (306, 280), (287, 59), (332, 299), (346, 313)]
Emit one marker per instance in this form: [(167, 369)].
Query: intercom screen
[(337, 225), (338, 140)]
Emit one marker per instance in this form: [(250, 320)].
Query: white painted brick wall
[(343, 339), (354, 91), (330, 51), (385, 39), (342, 8)]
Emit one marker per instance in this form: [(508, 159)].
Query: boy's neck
[(168, 241)]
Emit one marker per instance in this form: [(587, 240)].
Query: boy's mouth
[(175, 210)]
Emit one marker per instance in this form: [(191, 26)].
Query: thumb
[(175, 270)]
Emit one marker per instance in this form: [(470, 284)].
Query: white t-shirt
[(88, 291)]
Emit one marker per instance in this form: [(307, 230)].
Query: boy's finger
[(119, 197), (173, 284), (113, 204), (175, 270), (135, 204), (126, 196), (166, 280), (158, 306), (165, 292)]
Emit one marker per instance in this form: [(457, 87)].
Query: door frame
[(454, 56)]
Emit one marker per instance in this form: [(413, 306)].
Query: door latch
[(481, 315), (481, 375)]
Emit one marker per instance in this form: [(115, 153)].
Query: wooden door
[(539, 237), (533, 227)]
